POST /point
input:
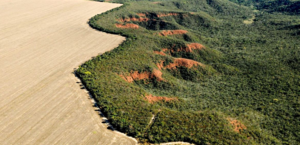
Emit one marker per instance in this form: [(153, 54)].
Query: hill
[(281, 6), (193, 71)]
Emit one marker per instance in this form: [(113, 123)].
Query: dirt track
[(41, 42)]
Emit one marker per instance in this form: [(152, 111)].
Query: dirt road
[(41, 42)]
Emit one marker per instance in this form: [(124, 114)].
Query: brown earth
[(133, 19), (237, 125), (135, 75), (127, 26), (41, 43), (172, 32), (141, 14), (189, 48), (159, 53), (152, 99), (194, 46), (188, 63), (144, 19), (167, 14), (165, 49)]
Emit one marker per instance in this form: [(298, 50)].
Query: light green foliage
[(87, 73)]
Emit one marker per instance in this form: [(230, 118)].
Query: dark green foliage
[(195, 74), (225, 69), (198, 128), (251, 74), (293, 60), (285, 6)]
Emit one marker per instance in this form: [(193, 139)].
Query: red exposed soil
[(172, 32), (160, 53), (143, 19), (127, 78), (165, 49), (196, 46), (152, 99), (141, 14), (167, 14), (135, 75), (157, 74), (188, 48), (127, 26), (237, 125), (134, 19), (180, 62), (160, 65)]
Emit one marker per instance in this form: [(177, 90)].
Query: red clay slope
[(172, 32), (152, 99), (179, 62), (127, 26), (135, 75)]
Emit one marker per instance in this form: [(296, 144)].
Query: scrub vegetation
[(205, 75)]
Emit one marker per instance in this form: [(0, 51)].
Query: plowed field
[(41, 101)]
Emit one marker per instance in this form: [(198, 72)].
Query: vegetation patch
[(152, 99), (179, 62), (126, 26), (172, 32), (213, 63)]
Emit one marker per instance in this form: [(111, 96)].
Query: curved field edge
[(125, 106)]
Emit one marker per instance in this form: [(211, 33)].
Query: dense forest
[(282, 6), (200, 71)]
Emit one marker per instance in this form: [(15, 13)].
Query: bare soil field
[(41, 101)]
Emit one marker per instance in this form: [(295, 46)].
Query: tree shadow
[(105, 121)]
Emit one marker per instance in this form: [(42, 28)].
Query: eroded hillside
[(205, 76)]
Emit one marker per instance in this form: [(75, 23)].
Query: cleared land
[(41, 42)]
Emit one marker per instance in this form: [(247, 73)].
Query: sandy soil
[(41, 42)]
